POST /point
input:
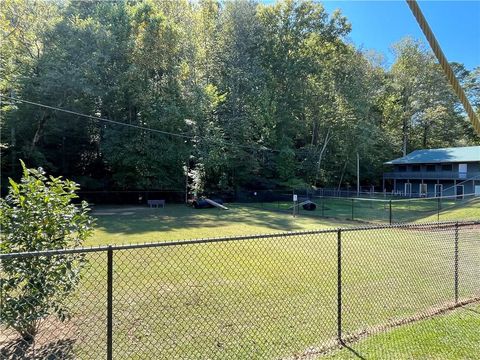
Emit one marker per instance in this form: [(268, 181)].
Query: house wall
[(475, 167), (471, 167), (438, 176), (448, 186)]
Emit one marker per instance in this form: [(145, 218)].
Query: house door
[(462, 171), (422, 190), (438, 190), (477, 190), (408, 189), (459, 191)]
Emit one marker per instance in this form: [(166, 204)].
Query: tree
[(262, 95), (38, 214), (24, 25), (298, 57), (422, 106)]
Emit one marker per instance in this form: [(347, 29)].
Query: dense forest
[(251, 95)]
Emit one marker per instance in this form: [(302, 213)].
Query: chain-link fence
[(338, 204), (376, 210), (290, 295)]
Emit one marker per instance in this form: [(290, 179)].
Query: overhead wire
[(423, 25), (139, 127), (437, 50)]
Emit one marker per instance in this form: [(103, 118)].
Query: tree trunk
[(38, 132), (343, 173), (320, 156), (424, 140), (405, 136)]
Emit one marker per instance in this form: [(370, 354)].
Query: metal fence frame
[(436, 207), (342, 341)]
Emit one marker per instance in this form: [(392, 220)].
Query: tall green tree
[(263, 95)]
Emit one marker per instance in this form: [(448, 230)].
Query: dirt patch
[(109, 213), (114, 210), (54, 340)]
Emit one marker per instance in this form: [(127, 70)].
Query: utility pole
[(358, 175)]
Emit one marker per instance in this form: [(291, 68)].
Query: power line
[(139, 127), (98, 118), (427, 31)]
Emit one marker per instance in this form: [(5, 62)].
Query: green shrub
[(38, 214)]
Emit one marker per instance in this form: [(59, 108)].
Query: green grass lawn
[(121, 224), (264, 298), (274, 297), (452, 336), (378, 210), (125, 224), (468, 211)]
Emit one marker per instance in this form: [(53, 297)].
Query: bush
[(38, 214)]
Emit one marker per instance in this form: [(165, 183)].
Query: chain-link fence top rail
[(287, 295)]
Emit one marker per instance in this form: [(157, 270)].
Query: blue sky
[(378, 24)]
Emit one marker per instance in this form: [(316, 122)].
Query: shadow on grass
[(181, 217), (471, 310), (20, 349), (354, 352)]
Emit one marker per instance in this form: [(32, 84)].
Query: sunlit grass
[(452, 336), (263, 298), (459, 212), (382, 211), (116, 225)]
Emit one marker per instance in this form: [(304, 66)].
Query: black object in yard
[(310, 206), (203, 204)]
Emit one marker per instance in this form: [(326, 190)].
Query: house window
[(430, 168), (447, 167), (415, 167), (402, 168)]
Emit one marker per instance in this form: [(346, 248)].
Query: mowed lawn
[(452, 336), (469, 211), (126, 224), (378, 210), (274, 297)]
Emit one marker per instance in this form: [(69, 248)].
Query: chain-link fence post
[(352, 208), (456, 263), (339, 286), (110, 303), (390, 211), (438, 208)]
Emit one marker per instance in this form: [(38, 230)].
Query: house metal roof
[(445, 155)]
